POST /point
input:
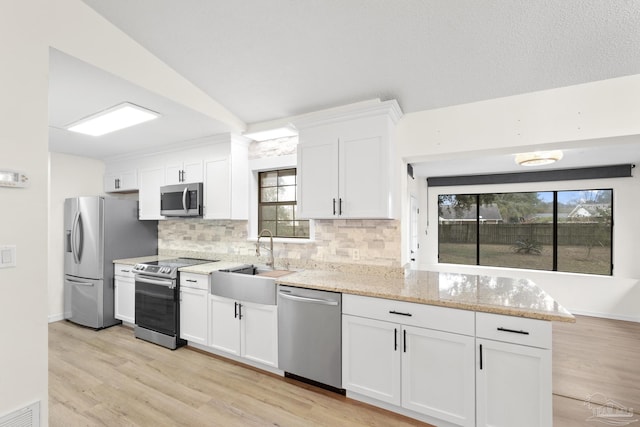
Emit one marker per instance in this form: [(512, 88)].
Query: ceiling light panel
[(112, 119)]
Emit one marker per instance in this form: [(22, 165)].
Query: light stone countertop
[(490, 294), (485, 293)]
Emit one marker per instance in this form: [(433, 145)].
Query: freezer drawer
[(309, 334), (83, 301)]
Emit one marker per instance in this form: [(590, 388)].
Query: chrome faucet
[(271, 262)]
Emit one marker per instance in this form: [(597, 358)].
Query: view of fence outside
[(517, 230)]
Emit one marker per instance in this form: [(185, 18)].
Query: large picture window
[(277, 210), (568, 231)]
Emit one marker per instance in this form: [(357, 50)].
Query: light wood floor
[(110, 378), (594, 359)]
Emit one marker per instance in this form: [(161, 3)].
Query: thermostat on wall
[(9, 178)]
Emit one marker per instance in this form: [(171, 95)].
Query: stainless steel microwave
[(181, 200)]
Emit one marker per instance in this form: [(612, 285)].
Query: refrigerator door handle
[(74, 238)]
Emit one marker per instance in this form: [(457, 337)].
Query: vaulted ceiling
[(269, 59)]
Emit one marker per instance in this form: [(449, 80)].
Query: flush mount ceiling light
[(112, 119), (538, 158), (275, 133)]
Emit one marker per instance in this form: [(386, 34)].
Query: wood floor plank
[(598, 358), (110, 378)]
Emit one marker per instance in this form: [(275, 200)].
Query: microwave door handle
[(184, 199)]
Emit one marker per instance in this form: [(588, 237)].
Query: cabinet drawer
[(196, 281), (518, 330), (412, 314), (123, 270)]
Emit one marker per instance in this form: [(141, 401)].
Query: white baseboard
[(605, 315), (56, 317)]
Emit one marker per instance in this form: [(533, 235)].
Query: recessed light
[(538, 158), (112, 119)]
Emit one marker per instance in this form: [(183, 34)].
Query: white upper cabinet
[(149, 196), (226, 180), (347, 165), (221, 163), (184, 172), (120, 180)]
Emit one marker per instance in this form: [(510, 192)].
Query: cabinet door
[(124, 299), (110, 182), (128, 180), (193, 315), (192, 171), (364, 178), (217, 189), (317, 190), (173, 173), (224, 327), (149, 196), (513, 385), (371, 352), (438, 375), (259, 333)]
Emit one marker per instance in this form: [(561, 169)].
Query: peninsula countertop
[(483, 293)]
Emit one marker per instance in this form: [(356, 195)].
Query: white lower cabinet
[(244, 329), (513, 380), (430, 372), (371, 358), (438, 374), (193, 315), (124, 293)]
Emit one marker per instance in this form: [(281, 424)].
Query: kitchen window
[(277, 207), (568, 231)]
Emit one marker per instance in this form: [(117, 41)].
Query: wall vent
[(28, 416)]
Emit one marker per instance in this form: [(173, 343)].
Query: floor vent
[(26, 417)]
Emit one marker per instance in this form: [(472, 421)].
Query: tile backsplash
[(374, 243)]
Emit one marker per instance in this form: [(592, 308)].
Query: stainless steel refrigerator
[(97, 231)]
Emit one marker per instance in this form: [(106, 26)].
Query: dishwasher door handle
[(307, 299)]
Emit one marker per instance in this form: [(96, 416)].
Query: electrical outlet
[(355, 254)]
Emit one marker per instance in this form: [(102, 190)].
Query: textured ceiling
[(267, 59), (271, 59)]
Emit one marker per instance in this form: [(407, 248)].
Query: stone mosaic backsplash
[(338, 244)]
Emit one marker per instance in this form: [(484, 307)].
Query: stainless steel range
[(157, 305)]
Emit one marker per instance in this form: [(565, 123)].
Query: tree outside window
[(568, 231), (277, 207)]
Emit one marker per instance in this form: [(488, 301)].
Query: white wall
[(23, 212), (69, 176), (558, 118), (27, 30)]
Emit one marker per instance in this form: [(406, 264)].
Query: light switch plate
[(7, 256)]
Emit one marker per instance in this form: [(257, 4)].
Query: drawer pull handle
[(126, 271), (400, 313), (513, 331), (192, 281)]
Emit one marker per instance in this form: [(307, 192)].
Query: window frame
[(264, 164), (555, 245), (276, 204)]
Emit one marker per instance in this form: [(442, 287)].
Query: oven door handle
[(168, 283)]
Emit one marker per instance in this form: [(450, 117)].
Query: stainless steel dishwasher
[(310, 335)]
